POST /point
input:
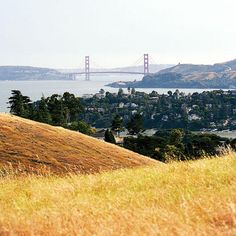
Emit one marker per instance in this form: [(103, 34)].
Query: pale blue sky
[(59, 33)]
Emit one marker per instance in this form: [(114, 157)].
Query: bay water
[(36, 89)]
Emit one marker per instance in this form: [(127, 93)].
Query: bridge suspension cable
[(138, 62)]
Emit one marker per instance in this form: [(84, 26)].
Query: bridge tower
[(146, 64), (87, 68)]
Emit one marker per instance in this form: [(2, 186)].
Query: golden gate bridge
[(87, 69)]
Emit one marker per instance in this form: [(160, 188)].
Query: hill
[(186, 198), (230, 64), (186, 69), (30, 73), (217, 76), (35, 146)]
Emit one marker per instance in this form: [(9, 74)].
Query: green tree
[(42, 112), (120, 92), (109, 137), (172, 153), (71, 107), (56, 109), (153, 94), (19, 104), (176, 137), (170, 93), (84, 128), (133, 91), (102, 91), (80, 126), (117, 124), (128, 89), (135, 125)]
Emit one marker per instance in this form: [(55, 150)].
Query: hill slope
[(217, 76), (35, 146), (185, 198)]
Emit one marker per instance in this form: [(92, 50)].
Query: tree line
[(179, 145), (59, 110)]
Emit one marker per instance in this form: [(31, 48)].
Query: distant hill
[(34, 146), (230, 64), (218, 76), (30, 73), (186, 69)]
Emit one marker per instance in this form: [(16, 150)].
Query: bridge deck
[(111, 72)]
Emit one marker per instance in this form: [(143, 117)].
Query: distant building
[(99, 95), (153, 98), (153, 116), (194, 117), (100, 134), (87, 96), (133, 105), (165, 118), (121, 105), (208, 106), (100, 109), (195, 106), (233, 92), (212, 124)]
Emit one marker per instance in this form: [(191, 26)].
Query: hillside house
[(194, 117)]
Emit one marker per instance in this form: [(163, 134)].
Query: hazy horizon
[(115, 33)]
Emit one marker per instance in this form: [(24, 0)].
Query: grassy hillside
[(186, 69), (28, 146), (217, 76), (191, 198)]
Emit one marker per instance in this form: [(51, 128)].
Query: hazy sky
[(59, 33)]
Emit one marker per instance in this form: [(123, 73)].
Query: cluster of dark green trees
[(55, 110), (206, 110), (177, 144), (134, 126), (67, 111), (168, 145)]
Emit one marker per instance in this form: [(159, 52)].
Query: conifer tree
[(19, 104), (117, 124), (43, 114), (109, 137), (135, 125)]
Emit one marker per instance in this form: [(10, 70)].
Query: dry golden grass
[(189, 198), (32, 147)]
